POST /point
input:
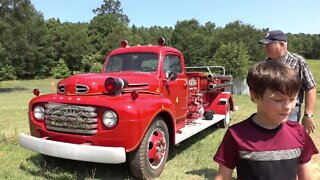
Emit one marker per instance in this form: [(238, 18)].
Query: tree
[(112, 7), (113, 40), (92, 63), (238, 32), (234, 57), (150, 35), (54, 27), (3, 56), (60, 70), (302, 44), (316, 46), (23, 36), (100, 27), (7, 73), (108, 17), (74, 44), (189, 37)]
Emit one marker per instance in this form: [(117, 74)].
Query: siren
[(124, 43), (161, 41), (115, 85)]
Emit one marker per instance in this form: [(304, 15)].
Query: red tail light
[(115, 85)]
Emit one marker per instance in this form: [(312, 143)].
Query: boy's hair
[(273, 75)]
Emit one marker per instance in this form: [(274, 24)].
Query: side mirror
[(171, 75)]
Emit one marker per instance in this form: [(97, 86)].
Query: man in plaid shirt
[(275, 46)]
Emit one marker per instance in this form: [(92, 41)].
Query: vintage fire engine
[(143, 102)]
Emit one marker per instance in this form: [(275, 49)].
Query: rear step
[(195, 127)]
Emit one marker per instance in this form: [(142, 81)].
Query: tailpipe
[(212, 86), (222, 77)]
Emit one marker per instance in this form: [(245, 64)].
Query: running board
[(195, 127)]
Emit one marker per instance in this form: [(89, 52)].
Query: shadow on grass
[(184, 145), (207, 173), (13, 89), (190, 141), (56, 168)]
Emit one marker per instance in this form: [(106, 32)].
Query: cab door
[(176, 90)]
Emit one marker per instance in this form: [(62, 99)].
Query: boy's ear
[(254, 96)]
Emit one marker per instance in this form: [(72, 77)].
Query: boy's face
[(273, 108)]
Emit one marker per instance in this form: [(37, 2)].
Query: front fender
[(140, 115)]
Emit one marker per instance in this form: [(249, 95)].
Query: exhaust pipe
[(212, 86), (210, 76), (222, 77)]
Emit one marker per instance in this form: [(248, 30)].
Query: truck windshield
[(144, 62)]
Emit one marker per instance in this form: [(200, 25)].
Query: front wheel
[(149, 159)]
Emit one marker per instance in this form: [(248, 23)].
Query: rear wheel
[(149, 159), (226, 121)]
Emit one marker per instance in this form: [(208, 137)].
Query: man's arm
[(223, 173), (304, 171), (310, 101)]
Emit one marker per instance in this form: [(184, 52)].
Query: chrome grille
[(71, 118), (81, 89)]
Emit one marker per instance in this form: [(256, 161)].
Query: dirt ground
[(316, 170)]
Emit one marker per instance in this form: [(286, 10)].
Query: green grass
[(315, 66), (192, 159)]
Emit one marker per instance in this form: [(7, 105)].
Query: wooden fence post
[(52, 86)]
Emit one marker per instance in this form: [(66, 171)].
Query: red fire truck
[(144, 101)]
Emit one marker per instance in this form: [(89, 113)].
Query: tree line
[(31, 47)]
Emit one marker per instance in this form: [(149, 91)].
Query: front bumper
[(99, 154)]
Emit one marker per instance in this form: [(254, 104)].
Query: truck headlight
[(38, 113), (109, 119)]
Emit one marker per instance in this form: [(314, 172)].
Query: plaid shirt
[(301, 67)]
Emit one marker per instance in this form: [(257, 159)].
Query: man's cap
[(275, 35)]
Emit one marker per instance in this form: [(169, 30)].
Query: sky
[(294, 16)]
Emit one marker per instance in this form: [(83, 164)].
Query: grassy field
[(192, 159), (315, 66)]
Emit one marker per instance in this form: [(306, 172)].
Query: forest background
[(34, 48)]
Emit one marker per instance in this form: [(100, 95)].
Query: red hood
[(84, 84)]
